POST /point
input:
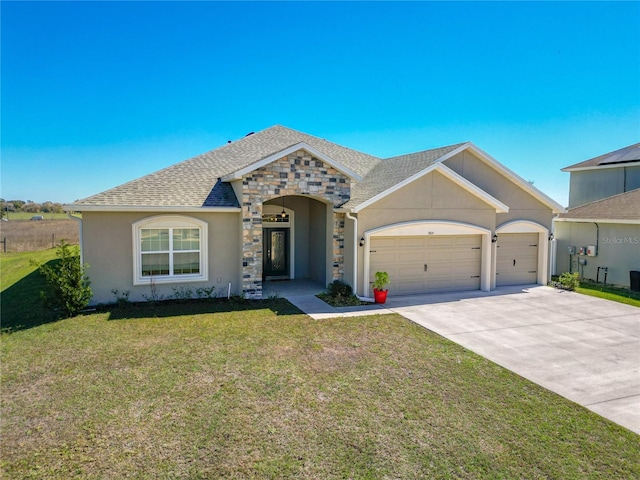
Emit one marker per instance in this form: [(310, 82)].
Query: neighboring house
[(281, 204), (599, 235)]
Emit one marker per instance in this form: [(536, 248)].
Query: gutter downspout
[(79, 220), (355, 256), (553, 250), (355, 252)]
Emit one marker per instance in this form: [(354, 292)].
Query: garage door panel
[(517, 259), (386, 257), (453, 263), (411, 256), (411, 242), (381, 242), (443, 242)]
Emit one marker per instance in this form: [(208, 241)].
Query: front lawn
[(258, 390), (609, 292), (21, 305)]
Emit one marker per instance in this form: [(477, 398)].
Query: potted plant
[(379, 290)]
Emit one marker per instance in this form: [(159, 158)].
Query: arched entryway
[(296, 239)]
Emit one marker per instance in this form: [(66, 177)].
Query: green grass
[(609, 292), (250, 389), (258, 390), (21, 284)]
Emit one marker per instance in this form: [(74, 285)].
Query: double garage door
[(427, 263)]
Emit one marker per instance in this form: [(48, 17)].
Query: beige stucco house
[(282, 204), (599, 235)]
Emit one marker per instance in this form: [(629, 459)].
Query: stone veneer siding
[(296, 174)]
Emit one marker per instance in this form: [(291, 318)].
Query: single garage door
[(427, 264), (517, 259)]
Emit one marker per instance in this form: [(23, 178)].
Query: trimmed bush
[(338, 288), (68, 289)]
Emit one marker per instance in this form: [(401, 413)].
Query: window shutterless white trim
[(170, 222)]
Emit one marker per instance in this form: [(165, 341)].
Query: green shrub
[(382, 280), (338, 288), (566, 281), (68, 289)]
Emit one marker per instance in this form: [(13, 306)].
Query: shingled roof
[(194, 182), (202, 181), (394, 170), (622, 156), (622, 208)]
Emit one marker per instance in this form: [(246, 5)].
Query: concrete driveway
[(583, 348)]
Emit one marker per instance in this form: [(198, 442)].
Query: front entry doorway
[(276, 252)]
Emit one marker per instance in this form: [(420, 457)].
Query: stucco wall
[(522, 205), (108, 249), (432, 197), (618, 249)]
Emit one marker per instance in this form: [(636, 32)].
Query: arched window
[(169, 249)]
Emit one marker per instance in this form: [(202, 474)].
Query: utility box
[(591, 251), (582, 251), (582, 261), (572, 250)]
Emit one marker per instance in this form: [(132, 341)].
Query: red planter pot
[(380, 296)]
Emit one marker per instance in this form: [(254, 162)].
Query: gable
[(497, 180), (437, 187), (298, 173), (298, 149)]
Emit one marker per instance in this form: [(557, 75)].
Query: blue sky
[(97, 94)]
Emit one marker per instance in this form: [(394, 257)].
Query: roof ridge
[(330, 141), (452, 146)]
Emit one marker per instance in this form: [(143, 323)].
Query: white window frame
[(169, 222)]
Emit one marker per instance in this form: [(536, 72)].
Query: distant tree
[(17, 204), (31, 207), (50, 207)]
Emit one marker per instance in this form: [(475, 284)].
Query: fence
[(26, 236)]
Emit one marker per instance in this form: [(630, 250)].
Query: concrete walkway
[(583, 348)]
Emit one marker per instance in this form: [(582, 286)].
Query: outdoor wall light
[(494, 239), (551, 237), (362, 242)]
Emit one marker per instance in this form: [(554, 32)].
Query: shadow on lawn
[(176, 308), (21, 305)]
